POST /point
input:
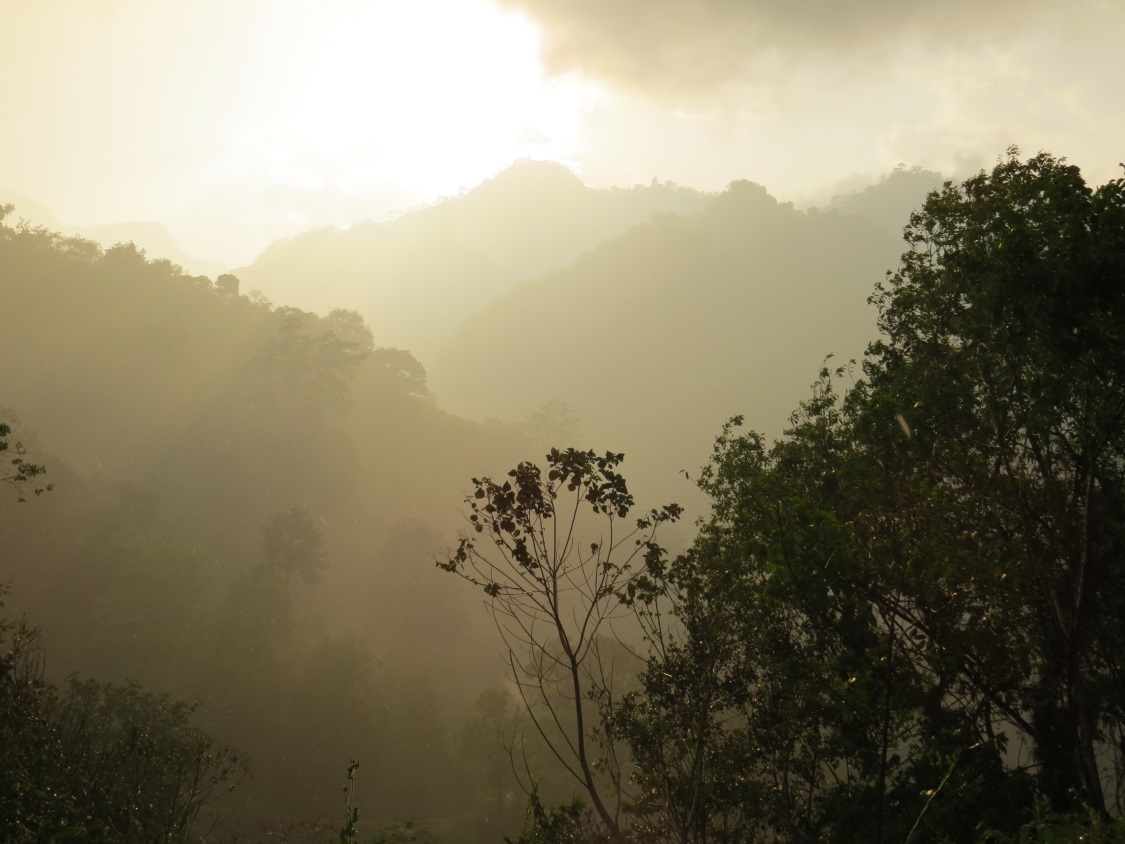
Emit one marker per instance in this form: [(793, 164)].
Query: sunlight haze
[(562, 421), (234, 123)]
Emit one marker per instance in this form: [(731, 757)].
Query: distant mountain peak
[(529, 175), (889, 201), (742, 197)]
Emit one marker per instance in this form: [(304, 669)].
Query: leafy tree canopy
[(905, 620)]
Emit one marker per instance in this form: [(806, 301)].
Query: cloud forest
[(526, 422), (850, 569)]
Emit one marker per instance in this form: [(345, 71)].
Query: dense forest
[(245, 546)]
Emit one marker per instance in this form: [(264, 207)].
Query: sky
[(234, 122)]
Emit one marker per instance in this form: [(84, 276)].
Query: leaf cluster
[(21, 470), (98, 762)]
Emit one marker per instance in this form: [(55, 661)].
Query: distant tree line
[(244, 507)]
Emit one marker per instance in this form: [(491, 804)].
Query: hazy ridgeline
[(416, 278), (249, 498)]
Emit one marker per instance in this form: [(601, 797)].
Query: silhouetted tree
[(97, 762), (305, 368), (227, 284), (399, 371), (553, 592), (351, 327), (19, 470), (926, 570), (292, 543)]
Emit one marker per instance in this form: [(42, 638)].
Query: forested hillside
[(902, 620), (246, 504), (149, 236), (562, 422), (898, 617), (416, 278), (682, 321)]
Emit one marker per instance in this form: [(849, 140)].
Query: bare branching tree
[(561, 561)]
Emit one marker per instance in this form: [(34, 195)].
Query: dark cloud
[(690, 47)]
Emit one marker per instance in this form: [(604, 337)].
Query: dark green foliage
[(903, 621), (571, 823), (923, 579), (348, 831), (99, 762), (1004, 358), (1047, 827)]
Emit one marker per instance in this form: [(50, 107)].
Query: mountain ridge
[(151, 236), (451, 258)]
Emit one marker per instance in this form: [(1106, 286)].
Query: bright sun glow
[(425, 94), (237, 122), (273, 116)]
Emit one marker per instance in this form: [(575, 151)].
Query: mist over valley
[(499, 422)]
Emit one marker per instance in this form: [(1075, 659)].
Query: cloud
[(688, 48), (533, 137)]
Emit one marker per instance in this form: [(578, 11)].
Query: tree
[(227, 285), (554, 595), (1005, 360), (20, 471), (926, 573), (397, 372), (554, 422), (486, 749), (351, 327), (98, 762), (293, 544), (394, 371), (305, 369)]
